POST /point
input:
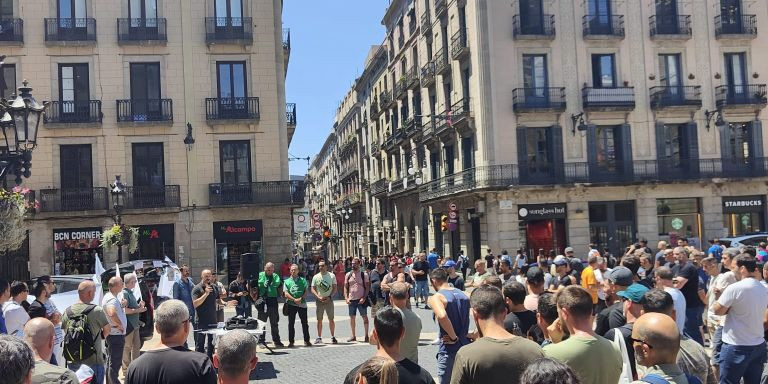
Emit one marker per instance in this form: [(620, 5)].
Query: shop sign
[(156, 232), (76, 234), (528, 212), (238, 230), (677, 223), (743, 204)]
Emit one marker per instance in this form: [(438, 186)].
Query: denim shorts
[(355, 306), (422, 288)]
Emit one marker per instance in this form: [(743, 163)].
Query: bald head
[(39, 335), (660, 339), (115, 284), (206, 276), (85, 291)]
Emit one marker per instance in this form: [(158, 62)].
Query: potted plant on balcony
[(15, 205), (119, 235)]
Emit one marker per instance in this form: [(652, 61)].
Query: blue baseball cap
[(449, 264)]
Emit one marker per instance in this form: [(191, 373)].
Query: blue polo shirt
[(432, 260)]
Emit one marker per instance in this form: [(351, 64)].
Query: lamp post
[(118, 203), (19, 122)]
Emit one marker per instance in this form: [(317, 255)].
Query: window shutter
[(725, 140), (756, 146), (626, 150), (556, 150), (522, 154), (661, 144), (591, 148), (692, 152)]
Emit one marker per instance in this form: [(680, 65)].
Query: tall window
[(666, 17), (531, 17), (148, 165), (467, 152), (603, 71), (74, 89), (606, 148), (232, 87), (449, 156), (736, 74), (235, 159), (145, 88), (7, 81), (143, 13), (6, 9), (599, 12), (535, 78), (739, 143), (229, 13), (538, 155), (76, 169), (72, 9), (674, 148)]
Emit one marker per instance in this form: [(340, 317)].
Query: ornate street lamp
[(19, 121), (118, 203)]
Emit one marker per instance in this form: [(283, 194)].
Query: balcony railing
[(73, 199), (459, 44), (440, 7), (82, 29), (385, 98), (380, 187), (228, 30), (412, 77), (232, 108), (401, 87), (662, 97), (72, 112), (603, 25), (460, 111), (287, 39), (441, 61), (744, 25), (670, 25), (259, 193), (167, 196), (534, 99), (734, 95), (290, 113), (529, 28), (11, 31), (426, 23), (144, 110), (141, 30), (374, 107), (484, 177), (428, 74), (619, 97)]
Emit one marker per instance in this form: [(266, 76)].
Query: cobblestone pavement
[(327, 363)]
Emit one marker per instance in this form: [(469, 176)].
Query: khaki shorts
[(324, 306)]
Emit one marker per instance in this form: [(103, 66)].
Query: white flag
[(98, 270)]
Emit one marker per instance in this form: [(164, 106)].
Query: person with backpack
[(357, 284), (86, 326), (656, 341)]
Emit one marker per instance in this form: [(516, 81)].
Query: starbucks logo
[(677, 223)]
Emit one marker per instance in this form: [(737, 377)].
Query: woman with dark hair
[(378, 370), (549, 371)]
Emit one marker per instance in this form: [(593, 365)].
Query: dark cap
[(534, 275), (621, 276)]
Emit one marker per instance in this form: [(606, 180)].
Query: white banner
[(301, 220)]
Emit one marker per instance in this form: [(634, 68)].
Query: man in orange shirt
[(588, 279)]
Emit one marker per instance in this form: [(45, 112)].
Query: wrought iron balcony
[(144, 110), (441, 61), (459, 44), (137, 31), (670, 26), (374, 107), (73, 112), (385, 98), (237, 30), (543, 28), (459, 112), (428, 74), (168, 196), (441, 6), (602, 26), (680, 96), (11, 31), (742, 26), (258, 193), (232, 108), (379, 187), (736, 95), (426, 23), (412, 78), (73, 199), (622, 98), (401, 87), (290, 113), (478, 178), (70, 30), (538, 99)]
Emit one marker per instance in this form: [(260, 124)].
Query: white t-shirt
[(747, 301), (15, 318), (110, 300), (599, 278), (679, 301), (720, 282)]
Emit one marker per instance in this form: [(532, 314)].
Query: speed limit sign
[(453, 207), (453, 214)]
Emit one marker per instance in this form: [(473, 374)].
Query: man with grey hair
[(170, 361), (118, 323), (18, 361), (40, 337), (133, 308), (235, 357), (409, 344)]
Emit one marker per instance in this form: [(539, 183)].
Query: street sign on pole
[(453, 207)]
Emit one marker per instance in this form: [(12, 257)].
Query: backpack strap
[(654, 379)]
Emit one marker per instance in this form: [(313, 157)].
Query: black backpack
[(79, 342)]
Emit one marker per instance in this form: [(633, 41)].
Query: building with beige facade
[(184, 99), (538, 125)]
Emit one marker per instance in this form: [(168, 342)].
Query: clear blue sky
[(329, 42)]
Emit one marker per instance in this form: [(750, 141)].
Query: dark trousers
[(292, 311), (200, 341), (115, 345), (269, 310), (244, 308)]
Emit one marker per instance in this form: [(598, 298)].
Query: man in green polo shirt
[(324, 287), (270, 288)]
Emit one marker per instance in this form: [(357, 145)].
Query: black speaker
[(250, 266)]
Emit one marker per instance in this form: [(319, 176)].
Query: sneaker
[(351, 340), (427, 306), (319, 340), (307, 344), (290, 345), (333, 340), (366, 338), (279, 344)]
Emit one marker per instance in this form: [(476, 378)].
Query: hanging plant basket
[(15, 205), (121, 235)]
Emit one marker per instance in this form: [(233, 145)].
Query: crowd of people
[(671, 315)]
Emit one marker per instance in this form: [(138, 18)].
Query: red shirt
[(285, 269)]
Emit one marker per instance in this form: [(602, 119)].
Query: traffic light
[(443, 223), (326, 233)]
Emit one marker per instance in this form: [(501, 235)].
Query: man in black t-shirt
[(170, 362), (376, 276), (687, 281), (204, 298), (388, 329), (489, 259), (420, 273), (518, 316)]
